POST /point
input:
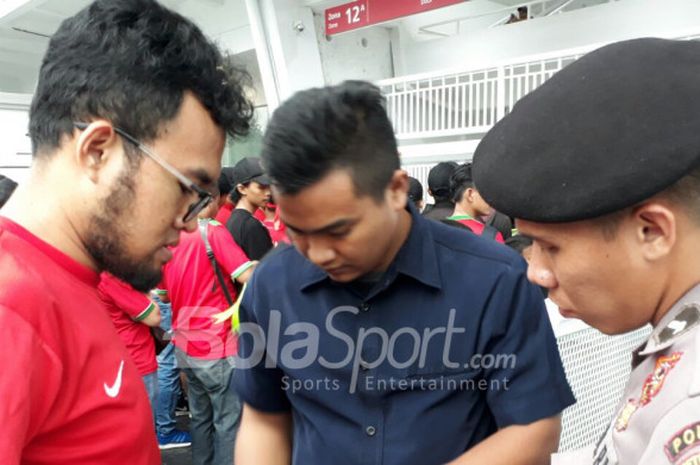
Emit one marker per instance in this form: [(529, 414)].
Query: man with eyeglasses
[(128, 124)]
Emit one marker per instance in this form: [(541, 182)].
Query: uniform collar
[(416, 258), (683, 317)]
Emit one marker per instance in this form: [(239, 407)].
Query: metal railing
[(464, 102), (469, 101)]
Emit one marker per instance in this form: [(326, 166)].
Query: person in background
[(470, 207), (205, 348), (439, 189), (521, 16), (226, 205), (169, 387), (610, 196), (277, 229), (415, 193), (365, 260), (7, 187), (502, 223), (133, 314), (128, 123), (251, 192)]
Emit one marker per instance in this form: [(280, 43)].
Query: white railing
[(469, 101), (464, 102)]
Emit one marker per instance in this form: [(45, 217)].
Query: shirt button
[(371, 431), (364, 307)]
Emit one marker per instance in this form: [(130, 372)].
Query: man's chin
[(343, 275), (141, 279)]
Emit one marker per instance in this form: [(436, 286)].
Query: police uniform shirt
[(347, 363), (658, 420)]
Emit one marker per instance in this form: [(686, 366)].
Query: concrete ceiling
[(26, 28)]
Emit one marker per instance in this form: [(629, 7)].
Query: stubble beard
[(105, 239)]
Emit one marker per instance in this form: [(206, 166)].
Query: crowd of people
[(311, 305)]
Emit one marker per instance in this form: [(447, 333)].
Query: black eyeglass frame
[(205, 198)]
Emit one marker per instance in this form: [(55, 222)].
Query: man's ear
[(397, 191), (469, 194), (94, 146), (655, 229)]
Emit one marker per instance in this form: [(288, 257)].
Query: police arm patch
[(683, 447)]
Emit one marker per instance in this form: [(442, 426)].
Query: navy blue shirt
[(449, 345)]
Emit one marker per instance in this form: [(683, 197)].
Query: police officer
[(601, 167)]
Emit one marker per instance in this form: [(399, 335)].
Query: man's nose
[(538, 270)]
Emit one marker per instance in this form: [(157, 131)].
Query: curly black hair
[(131, 61)]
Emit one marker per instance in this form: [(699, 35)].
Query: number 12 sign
[(361, 13)]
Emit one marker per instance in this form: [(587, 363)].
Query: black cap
[(249, 170), (415, 189), (226, 180), (611, 129), (439, 178)]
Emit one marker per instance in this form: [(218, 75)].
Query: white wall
[(364, 54), (291, 43), (15, 149), (602, 24), (226, 22)]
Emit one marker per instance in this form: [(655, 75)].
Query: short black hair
[(323, 129), (415, 190), (7, 187), (234, 195), (131, 61), (225, 181), (460, 181)]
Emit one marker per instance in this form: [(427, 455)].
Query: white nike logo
[(113, 390)]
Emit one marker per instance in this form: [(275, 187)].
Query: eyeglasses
[(205, 198)]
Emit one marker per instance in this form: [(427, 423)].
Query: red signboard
[(361, 13)]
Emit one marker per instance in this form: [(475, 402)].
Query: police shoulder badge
[(652, 386)]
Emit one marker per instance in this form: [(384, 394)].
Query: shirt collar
[(683, 317), (68, 263), (416, 258)]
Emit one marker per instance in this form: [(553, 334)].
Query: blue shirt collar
[(416, 258)]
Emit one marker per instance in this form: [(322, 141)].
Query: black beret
[(611, 129)]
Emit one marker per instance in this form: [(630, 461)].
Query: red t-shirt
[(127, 307), (277, 230), (258, 215), (195, 293), (476, 226), (224, 213), (69, 392)]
